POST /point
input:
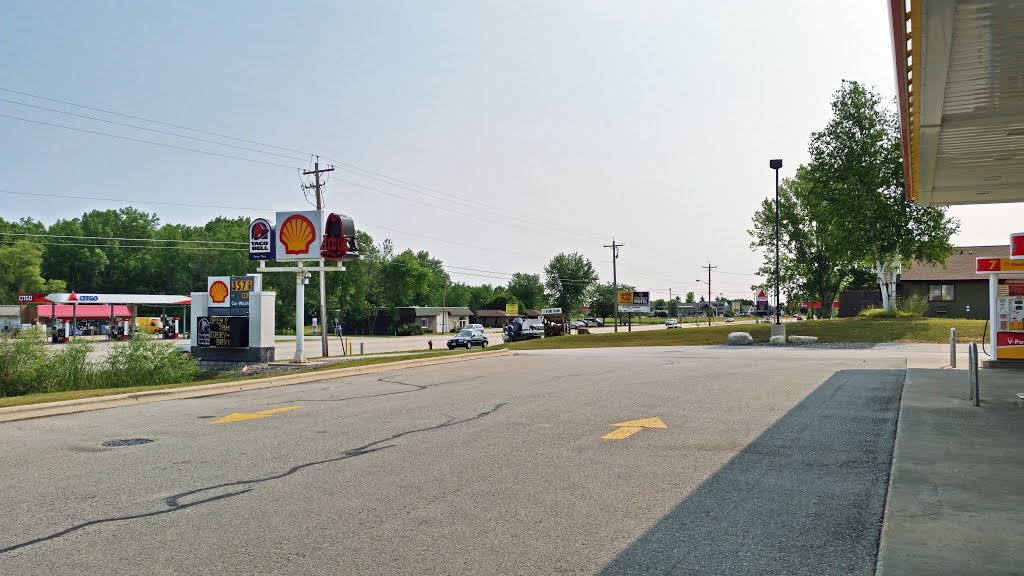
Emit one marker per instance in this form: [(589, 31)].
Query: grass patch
[(213, 378), (873, 330)]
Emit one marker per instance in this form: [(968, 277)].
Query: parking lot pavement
[(495, 466)]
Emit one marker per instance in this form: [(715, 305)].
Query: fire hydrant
[(430, 344)]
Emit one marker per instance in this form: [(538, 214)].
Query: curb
[(41, 410)]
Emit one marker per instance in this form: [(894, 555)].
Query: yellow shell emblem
[(297, 234), (218, 291)]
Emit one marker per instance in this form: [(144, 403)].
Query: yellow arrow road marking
[(645, 423), (627, 429), (239, 416), (620, 433)]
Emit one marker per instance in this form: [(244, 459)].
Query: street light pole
[(776, 165)]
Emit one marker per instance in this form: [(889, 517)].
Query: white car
[(478, 327), (672, 323), (729, 319)]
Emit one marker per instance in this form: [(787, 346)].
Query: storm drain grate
[(126, 442)]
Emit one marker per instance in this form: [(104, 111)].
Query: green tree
[(857, 172), (569, 279), (20, 264), (527, 289), (813, 258), (690, 297), (603, 297), (673, 307)]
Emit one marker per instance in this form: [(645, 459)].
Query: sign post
[(301, 237)]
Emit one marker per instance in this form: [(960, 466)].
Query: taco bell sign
[(261, 240)]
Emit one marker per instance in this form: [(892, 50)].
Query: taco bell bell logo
[(261, 240)]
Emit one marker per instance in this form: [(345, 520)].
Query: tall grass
[(27, 367)]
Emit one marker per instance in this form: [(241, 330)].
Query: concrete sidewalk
[(956, 497)]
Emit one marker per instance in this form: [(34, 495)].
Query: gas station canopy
[(72, 298), (960, 84)]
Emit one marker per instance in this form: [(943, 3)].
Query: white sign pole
[(300, 305)]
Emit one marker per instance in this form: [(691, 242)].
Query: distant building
[(431, 319), (498, 318), (953, 290), (9, 316)]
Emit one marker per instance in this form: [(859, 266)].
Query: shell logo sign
[(219, 292), (299, 235)]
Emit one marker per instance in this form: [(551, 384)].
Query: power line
[(129, 138), (149, 247), (130, 201), (178, 126), (206, 140), (125, 239), (351, 168)]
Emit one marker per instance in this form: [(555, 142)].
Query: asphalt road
[(771, 462)]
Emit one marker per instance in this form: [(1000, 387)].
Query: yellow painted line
[(620, 433), (627, 429), (645, 423), (240, 416)]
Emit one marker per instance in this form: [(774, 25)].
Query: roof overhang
[(960, 83)]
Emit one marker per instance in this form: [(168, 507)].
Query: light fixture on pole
[(776, 165)]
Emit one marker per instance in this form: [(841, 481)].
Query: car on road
[(730, 319), (478, 327), (467, 338), (593, 322), (577, 324), (672, 323)]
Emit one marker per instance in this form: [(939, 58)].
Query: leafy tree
[(569, 279), (673, 307), (813, 257), (690, 297), (20, 263), (528, 290), (857, 172), (602, 299)]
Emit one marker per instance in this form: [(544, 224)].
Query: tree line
[(129, 251), (844, 219)]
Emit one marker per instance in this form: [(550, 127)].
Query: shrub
[(27, 367), (409, 329), (143, 361), (915, 305), (22, 362), (880, 313)]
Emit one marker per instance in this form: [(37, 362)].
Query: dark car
[(468, 339)]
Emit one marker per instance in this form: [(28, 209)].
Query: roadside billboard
[(634, 302)]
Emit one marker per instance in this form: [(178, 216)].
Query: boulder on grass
[(740, 339), (803, 339), (777, 340)]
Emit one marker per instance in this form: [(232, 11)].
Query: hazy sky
[(650, 121)]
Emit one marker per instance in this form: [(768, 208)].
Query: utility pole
[(323, 284), (709, 268), (615, 279)]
